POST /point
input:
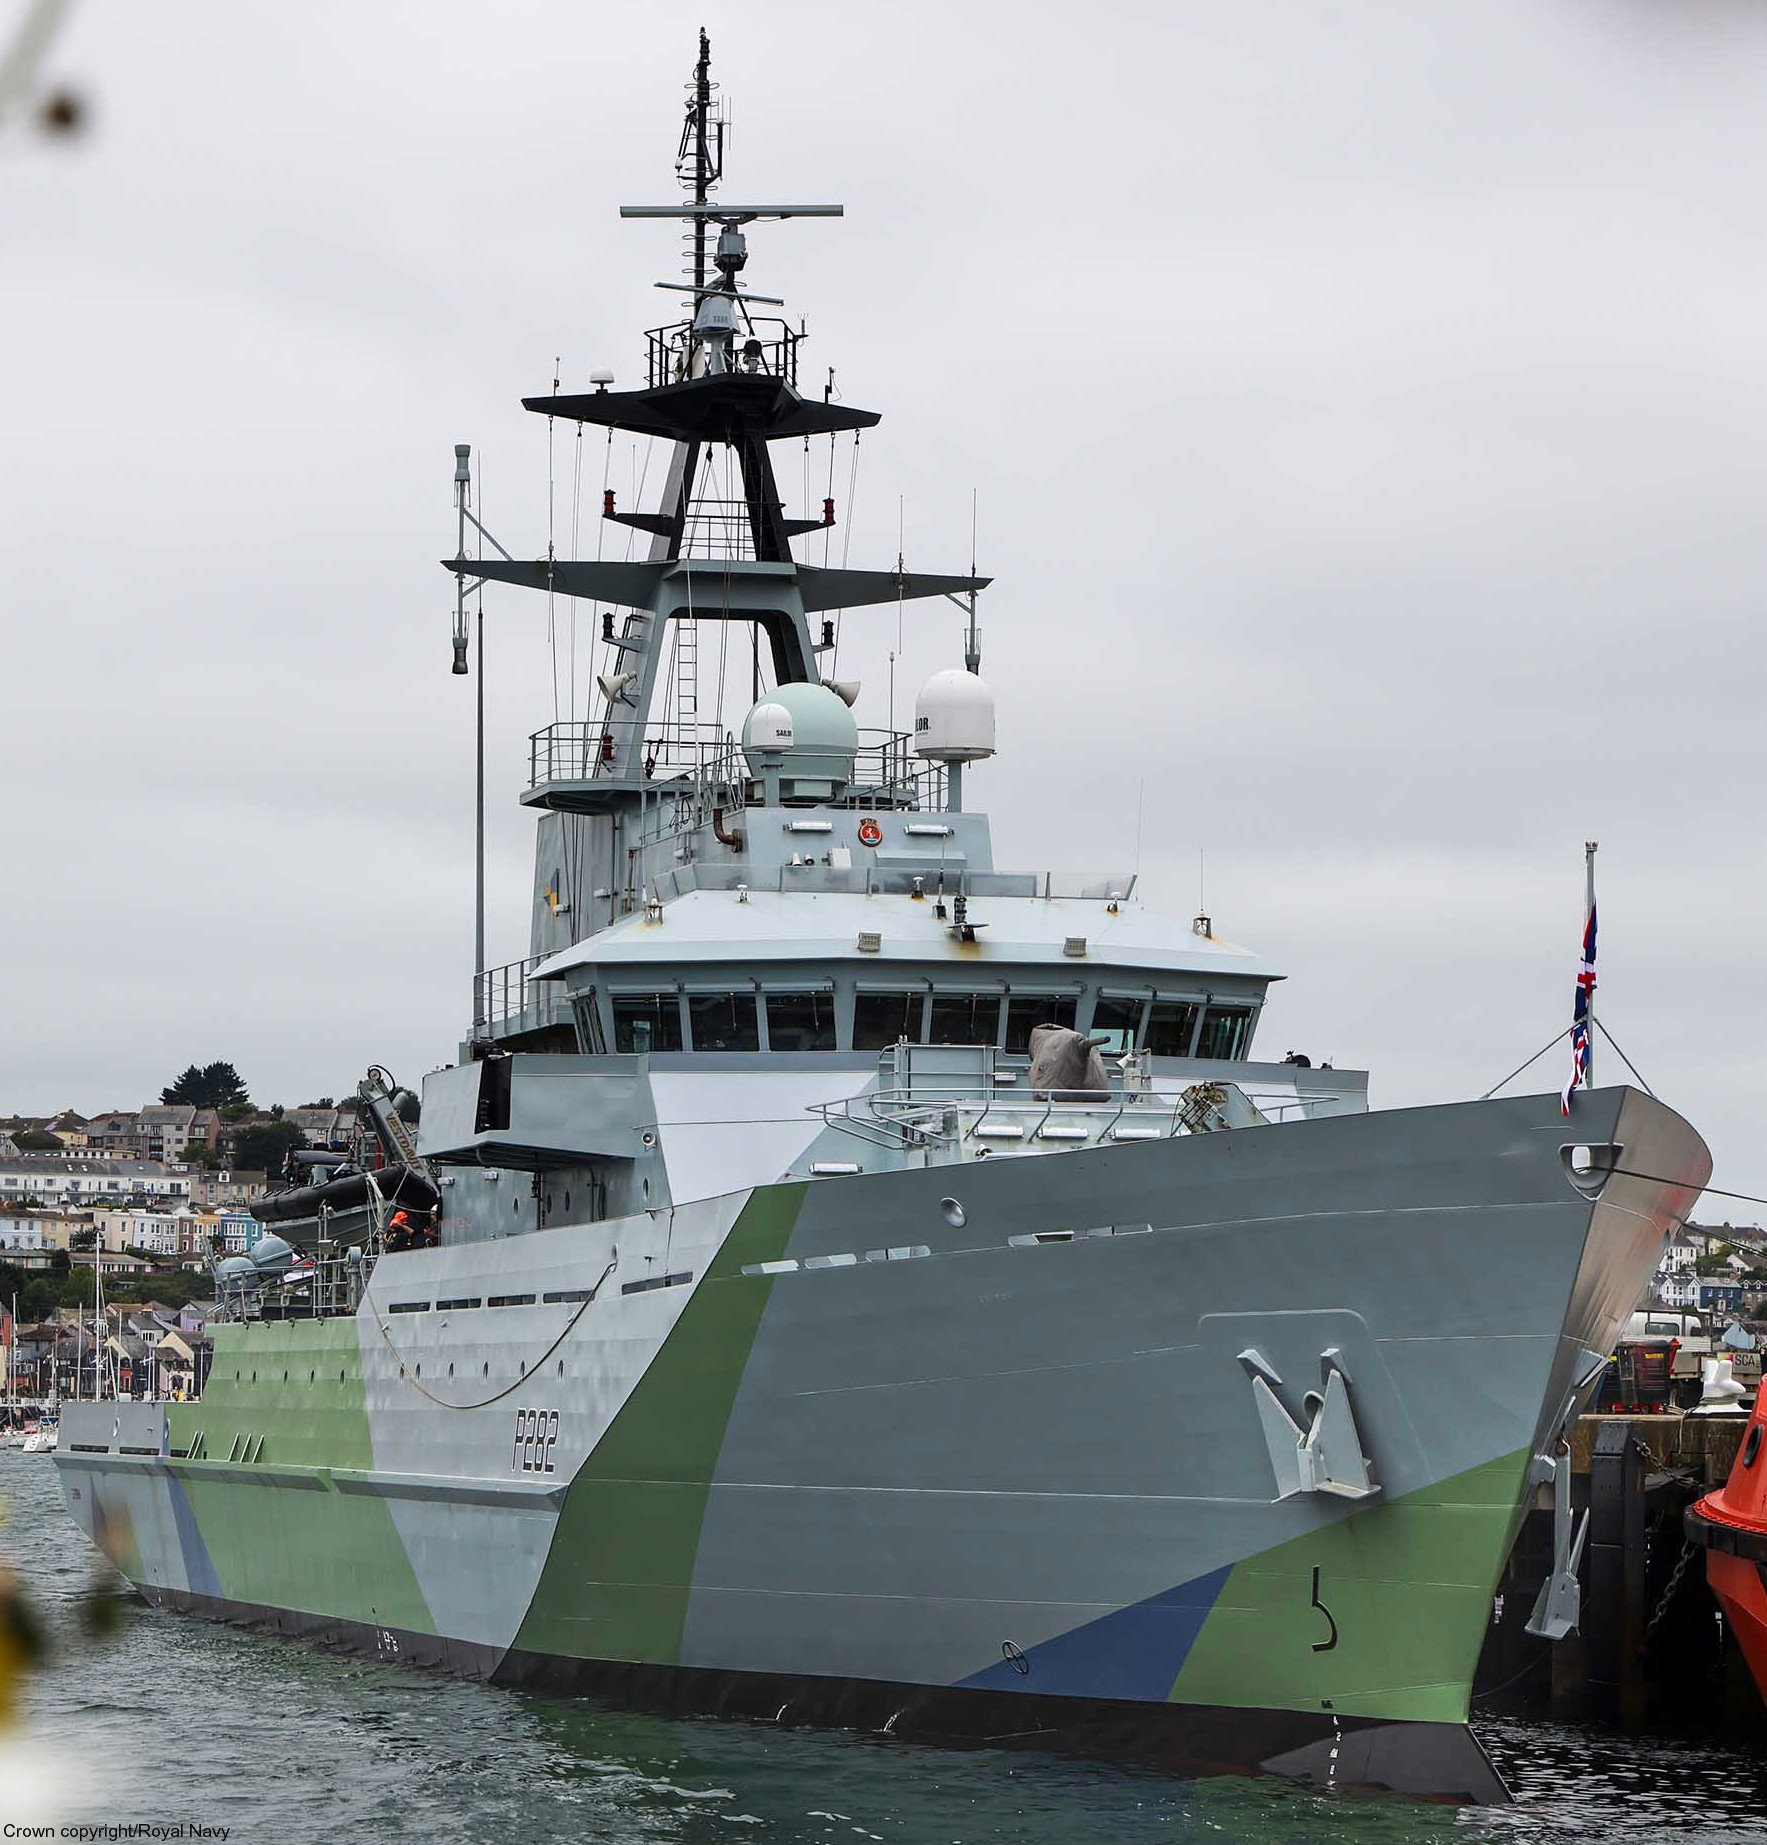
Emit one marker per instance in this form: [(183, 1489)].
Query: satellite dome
[(816, 732), (954, 717), (769, 727)]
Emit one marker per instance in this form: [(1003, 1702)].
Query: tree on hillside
[(214, 1085), (265, 1146), (35, 1140)]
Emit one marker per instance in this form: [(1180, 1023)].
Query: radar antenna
[(700, 161)]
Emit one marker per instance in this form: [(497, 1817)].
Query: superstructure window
[(723, 1021), (1171, 1024), (653, 1017), (1026, 1011), (881, 1019), (800, 1021), (1226, 1030), (590, 1038), (1117, 1019), (965, 1018)]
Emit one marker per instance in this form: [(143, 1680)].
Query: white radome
[(769, 727), (954, 717)]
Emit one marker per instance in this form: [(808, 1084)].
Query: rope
[(521, 1383), (1533, 1665), (1657, 1178)]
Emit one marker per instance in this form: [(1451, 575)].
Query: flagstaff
[(1583, 1009)]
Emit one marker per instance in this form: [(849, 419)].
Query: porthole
[(524, 1369), (419, 1371), (254, 1377), (561, 1367), (450, 1370), (312, 1377), (1751, 1448), (340, 1377), (285, 1377), (487, 1367)]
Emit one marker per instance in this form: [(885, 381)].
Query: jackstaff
[(1583, 1012)]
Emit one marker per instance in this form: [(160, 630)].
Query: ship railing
[(323, 1287), (508, 999), (704, 763), (870, 881), (930, 1095), (1288, 1105), (771, 343), (586, 750), (909, 1121)]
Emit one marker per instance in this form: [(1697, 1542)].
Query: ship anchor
[(1326, 1454)]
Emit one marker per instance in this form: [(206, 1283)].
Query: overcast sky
[(1364, 406)]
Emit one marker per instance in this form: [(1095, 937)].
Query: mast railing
[(773, 352)]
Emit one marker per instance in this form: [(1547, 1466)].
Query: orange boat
[(1731, 1525)]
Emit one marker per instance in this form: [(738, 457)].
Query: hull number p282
[(536, 1435)]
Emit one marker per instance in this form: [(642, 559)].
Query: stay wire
[(846, 534), (576, 525), (551, 553)]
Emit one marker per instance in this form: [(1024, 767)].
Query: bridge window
[(1171, 1024), (800, 1021), (965, 1018), (723, 1021), (654, 1018), (591, 1040), (1116, 1017), (1226, 1030), (1026, 1011), (880, 1019)]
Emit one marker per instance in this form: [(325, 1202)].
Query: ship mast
[(696, 138), (723, 375)]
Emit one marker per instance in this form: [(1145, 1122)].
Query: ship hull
[(867, 1451)]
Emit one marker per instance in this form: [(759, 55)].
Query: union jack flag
[(1580, 1016)]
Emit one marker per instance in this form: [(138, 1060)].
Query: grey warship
[(874, 1287)]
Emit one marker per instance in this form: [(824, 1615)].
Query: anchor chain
[(1689, 1551)]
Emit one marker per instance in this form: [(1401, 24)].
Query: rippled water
[(170, 1721)]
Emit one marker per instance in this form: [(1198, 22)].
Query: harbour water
[(169, 1722)]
